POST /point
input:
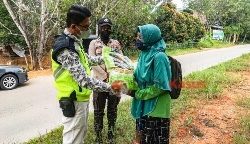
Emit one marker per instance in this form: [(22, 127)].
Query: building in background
[(217, 32)]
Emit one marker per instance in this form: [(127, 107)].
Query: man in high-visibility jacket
[(71, 70)]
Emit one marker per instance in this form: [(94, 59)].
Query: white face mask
[(84, 34)]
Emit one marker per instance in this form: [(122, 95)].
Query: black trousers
[(99, 101), (153, 130)]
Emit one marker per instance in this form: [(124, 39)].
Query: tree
[(232, 14), (9, 33), (179, 27), (36, 21), (126, 15)]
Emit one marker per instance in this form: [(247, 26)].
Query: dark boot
[(98, 125), (111, 139), (113, 101), (99, 100), (98, 139)]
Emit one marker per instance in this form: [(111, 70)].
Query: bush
[(208, 42), (179, 27)]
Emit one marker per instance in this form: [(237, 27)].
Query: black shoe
[(111, 139), (98, 139)]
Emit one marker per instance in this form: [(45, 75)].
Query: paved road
[(32, 109), (205, 59)]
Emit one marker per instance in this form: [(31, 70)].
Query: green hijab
[(146, 74), (154, 43)]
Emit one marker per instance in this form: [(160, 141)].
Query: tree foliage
[(179, 27), (34, 23), (233, 15), (9, 33)]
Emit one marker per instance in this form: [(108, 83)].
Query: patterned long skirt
[(153, 130)]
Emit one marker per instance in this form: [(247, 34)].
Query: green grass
[(241, 139), (240, 64), (53, 137), (216, 79), (209, 43), (245, 122), (182, 51), (188, 122), (242, 136), (205, 44), (244, 102), (125, 126)]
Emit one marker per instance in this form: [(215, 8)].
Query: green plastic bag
[(109, 62), (126, 77), (124, 74)]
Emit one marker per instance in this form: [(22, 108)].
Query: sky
[(178, 3)]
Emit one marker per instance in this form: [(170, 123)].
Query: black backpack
[(176, 79)]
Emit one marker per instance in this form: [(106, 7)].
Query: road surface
[(32, 110)]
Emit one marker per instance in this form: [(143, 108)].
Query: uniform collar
[(66, 31)]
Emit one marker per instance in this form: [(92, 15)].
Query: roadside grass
[(125, 129), (242, 136), (244, 102), (201, 46), (208, 42), (182, 51), (213, 81), (241, 64)]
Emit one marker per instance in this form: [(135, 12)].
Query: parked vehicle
[(11, 76)]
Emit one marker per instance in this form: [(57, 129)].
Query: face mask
[(139, 44), (105, 35), (84, 34)]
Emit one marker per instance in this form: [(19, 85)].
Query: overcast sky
[(178, 3)]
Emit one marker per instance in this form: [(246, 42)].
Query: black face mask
[(139, 44), (105, 35), (142, 46)]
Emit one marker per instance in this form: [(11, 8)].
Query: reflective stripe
[(84, 55), (58, 72)]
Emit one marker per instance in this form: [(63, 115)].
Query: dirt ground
[(213, 121), (34, 74)]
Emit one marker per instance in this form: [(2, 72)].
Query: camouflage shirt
[(71, 61)]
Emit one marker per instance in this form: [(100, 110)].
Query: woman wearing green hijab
[(151, 104)]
